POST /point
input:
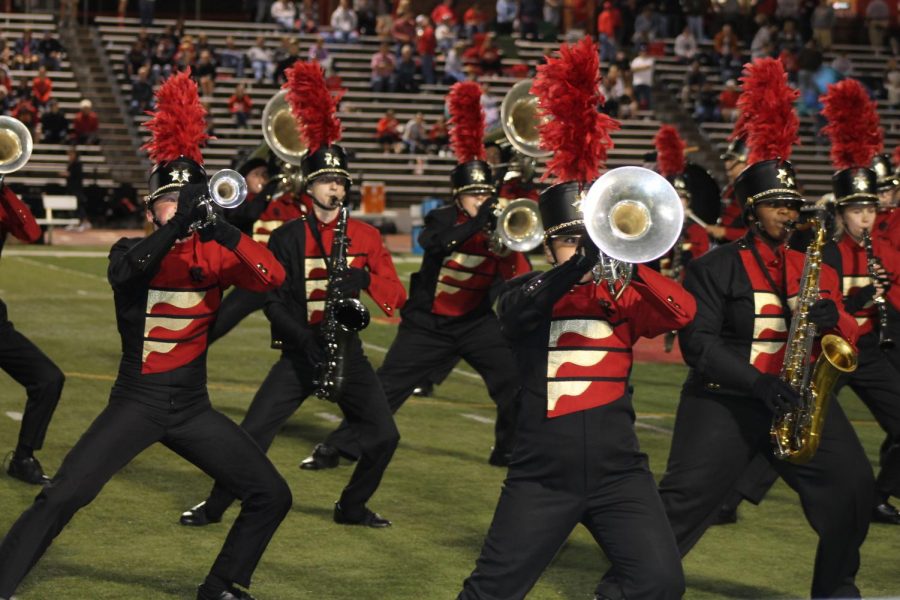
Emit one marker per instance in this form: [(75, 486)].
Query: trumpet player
[(576, 458), (449, 312), (735, 348), (19, 356), (167, 288), (295, 311)]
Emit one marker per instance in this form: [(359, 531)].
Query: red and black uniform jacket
[(732, 216), (887, 226), (573, 348), (856, 285), (740, 329), (299, 304), (15, 218), (258, 217), (458, 269), (167, 295)]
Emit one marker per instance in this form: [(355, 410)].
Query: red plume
[(312, 104), (853, 125), (467, 119), (670, 160), (178, 126), (568, 91), (768, 121), (895, 158)]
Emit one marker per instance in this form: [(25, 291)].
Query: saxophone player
[(296, 313), (869, 269), (735, 348)]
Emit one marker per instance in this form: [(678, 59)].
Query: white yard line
[(15, 416), (330, 417), (479, 418)]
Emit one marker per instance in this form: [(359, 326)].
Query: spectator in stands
[(731, 66), (438, 136), (892, 83), (231, 57), (789, 38), (808, 62), (725, 42), (205, 73), (25, 111), (454, 69), (645, 26), (344, 23), (693, 82), (474, 20), (25, 51), (41, 88), (5, 101), (823, 23), (382, 65), (54, 124), (202, 44), (609, 25), (292, 57), (877, 15), (843, 65), (695, 11), (613, 88), (51, 51), (415, 134), (506, 16), (365, 16), (552, 13), (74, 175), (284, 12), (387, 131), (728, 11), (445, 34), (23, 91), (686, 48), (145, 38), (490, 57), (5, 81), (162, 60), (642, 77), (240, 105), (426, 46), (764, 37), (260, 59), (86, 124), (404, 31), (530, 14), (706, 107), (728, 101), (444, 12), (405, 71), (186, 55), (135, 59), (141, 92), (319, 53), (491, 107), (146, 8), (174, 33)]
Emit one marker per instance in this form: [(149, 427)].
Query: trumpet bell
[(519, 225), (15, 145), (634, 215), (520, 121), (280, 130), (227, 188)]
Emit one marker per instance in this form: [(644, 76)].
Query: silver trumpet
[(227, 189), (15, 145), (633, 215), (519, 227)]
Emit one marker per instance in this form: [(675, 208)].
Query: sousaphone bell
[(16, 145)]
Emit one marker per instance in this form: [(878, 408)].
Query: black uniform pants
[(877, 383), (715, 438), (419, 351), (42, 379), (123, 430), (365, 411), (236, 306)]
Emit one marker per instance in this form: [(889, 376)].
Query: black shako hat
[(327, 160), (884, 172), (767, 180), (856, 185), (560, 207), (472, 177), (169, 177), (736, 150)]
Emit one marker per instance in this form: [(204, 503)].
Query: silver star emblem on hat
[(785, 178), (579, 198), (180, 176), (880, 169), (331, 160), (860, 183), (478, 175)]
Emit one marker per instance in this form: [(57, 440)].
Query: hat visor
[(474, 188)]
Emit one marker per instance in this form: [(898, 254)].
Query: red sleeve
[(385, 287), (16, 218), (890, 259), (829, 287), (670, 305), (251, 266), (698, 239), (514, 265), (894, 229)]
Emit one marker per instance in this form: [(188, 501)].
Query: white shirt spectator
[(506, 11), (642, 70), (343, 19), (284, 13), (762, 39), (686, 45)]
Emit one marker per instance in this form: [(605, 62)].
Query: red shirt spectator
[(728, 98), (25, 111), (426, 43), (404, 29), (86, 124), (442, 11), (609, 21), (474, 17), (387, 126), (41, 87), (242, 103)]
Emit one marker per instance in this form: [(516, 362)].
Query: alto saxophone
[(344, 316), (796, 433), (872, 264)]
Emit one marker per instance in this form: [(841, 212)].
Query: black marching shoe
[(323, 457), (886, 513), (27, 469), (726, 516), (196, 516), (499, 458), (229, 594), (368, 518)]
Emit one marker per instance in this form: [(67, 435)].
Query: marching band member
[(296, 311), (887, 221), (736, 345), (577, 458), (731, 225), (855, 136), (167, 288), (23, 360), (449, 311)]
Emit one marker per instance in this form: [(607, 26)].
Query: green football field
[(439, 490)]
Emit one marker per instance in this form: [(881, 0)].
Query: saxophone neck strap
[(317, 235), (780, 291)]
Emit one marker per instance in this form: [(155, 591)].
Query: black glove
[(824, 313), (188, 197), (859, 299), (777, 395), (221, 231), (352, 281), (310, 352), (486, 211), (587, 253)]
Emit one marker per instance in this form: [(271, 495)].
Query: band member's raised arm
[(18, 219), (443, 235)]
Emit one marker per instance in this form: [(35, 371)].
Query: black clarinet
[(872, 263)]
